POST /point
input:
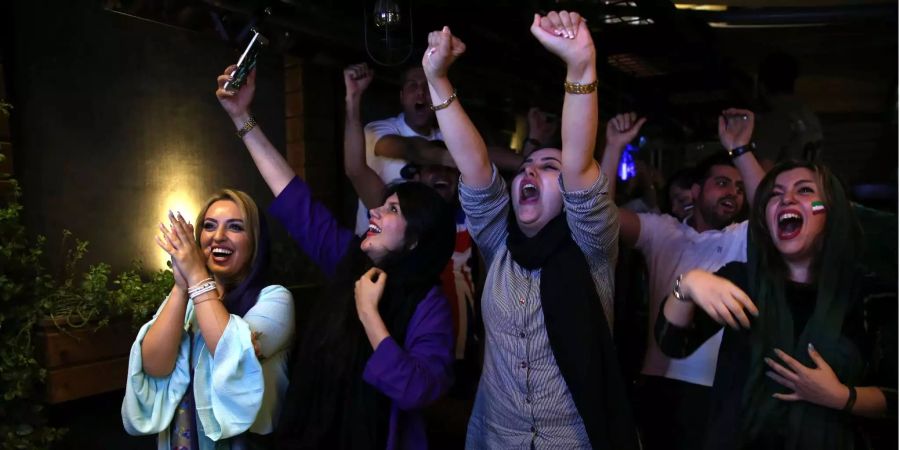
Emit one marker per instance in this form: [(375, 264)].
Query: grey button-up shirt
[(523, 401)]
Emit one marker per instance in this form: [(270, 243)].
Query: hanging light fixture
[(386, 14), (387, 42)]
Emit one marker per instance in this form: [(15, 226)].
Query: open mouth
[(373, 229), (421, 107), (729, 204), (789, 224), (221, 254), (528, 192)]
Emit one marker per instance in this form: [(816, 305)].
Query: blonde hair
[(249, 212)]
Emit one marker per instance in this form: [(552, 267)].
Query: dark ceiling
[(679, 65)]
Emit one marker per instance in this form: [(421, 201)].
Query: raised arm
[(419, 150), (735, 131), (465, 144), (271, 165), (367, 184), (620, 130), (415, 149), (565, 34), (308, 222)]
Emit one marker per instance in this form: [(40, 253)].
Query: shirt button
[(533, 430), (521, 334), (523, 364), (527, 399)]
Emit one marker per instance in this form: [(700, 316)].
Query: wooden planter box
[(82, 362)]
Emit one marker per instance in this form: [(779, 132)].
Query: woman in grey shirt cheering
[(550, 376)]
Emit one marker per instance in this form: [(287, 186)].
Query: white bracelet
[(200, 284), (208, 287)]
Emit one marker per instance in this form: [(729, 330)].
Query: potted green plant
[(60, 332)]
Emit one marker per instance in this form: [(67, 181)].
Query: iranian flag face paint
[(818, 207), (796, 214)]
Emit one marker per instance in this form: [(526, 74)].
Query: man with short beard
[(672, 395)]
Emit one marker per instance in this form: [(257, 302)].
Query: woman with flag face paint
[(795, 358)]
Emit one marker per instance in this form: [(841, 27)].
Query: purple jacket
[(413, 375)]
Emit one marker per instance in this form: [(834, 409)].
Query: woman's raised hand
[(188, 260), (719, 298), (236, 104), (566, 35), (443, 49)]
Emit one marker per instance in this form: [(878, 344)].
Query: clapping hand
[(188, 260)]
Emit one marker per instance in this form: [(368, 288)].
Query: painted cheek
[(818, 207)]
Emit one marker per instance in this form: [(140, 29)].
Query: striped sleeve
[(486, 211), (593, 220)]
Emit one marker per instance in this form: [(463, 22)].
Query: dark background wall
[(116, 121)]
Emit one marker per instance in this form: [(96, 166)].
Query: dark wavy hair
[(836, 276), (242, 294), (328, 404)]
